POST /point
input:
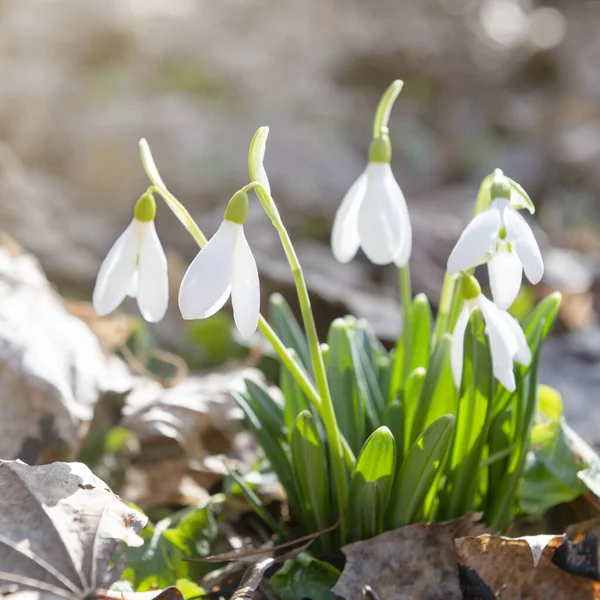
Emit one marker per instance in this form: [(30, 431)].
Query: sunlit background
[(513, 84)]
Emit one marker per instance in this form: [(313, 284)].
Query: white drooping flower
[(373, 214), (501, 237), (507, 340), (224, 267), (135, 266)]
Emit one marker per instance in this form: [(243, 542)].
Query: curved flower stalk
[(373, 214), (507, 340), (135, 266), (224, 267), (501, 237)]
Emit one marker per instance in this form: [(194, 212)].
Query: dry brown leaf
[(506, 566), (59, 526), (417, 561), (50, 361)]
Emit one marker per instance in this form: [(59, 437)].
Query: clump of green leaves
[(424, 450)]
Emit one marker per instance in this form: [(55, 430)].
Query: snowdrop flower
[(507, 340), (373, 214), (136, 266), (501, 237), (224, 267)]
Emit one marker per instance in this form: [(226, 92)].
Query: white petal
[(457, 346), (380, 215), (522, 352), (475, 241), (153, 281), (502, 343), (117, 271), (206, 284), (520, 234), (245, 289), (405, 250), (505, 273), (344, 235)]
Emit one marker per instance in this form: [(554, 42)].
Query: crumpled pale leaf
[(52, 368), (59, 526), (417, 561), (506, 566)]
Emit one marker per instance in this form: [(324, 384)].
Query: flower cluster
[(373, 216)]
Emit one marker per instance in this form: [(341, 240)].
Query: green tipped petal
[(237, 209), (145, 208)]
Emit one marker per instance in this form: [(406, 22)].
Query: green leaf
[(189, 589), (273, 448), (371, 483), (410, 401), (550, 403), (475, 411), (519, 198), (310, 465), (349, 412), (159, 562), (438, 394), (287, 328), (305, 577), (295, 400), (267, 408), (214, 336), (421, 326), (393, 419), (419, 470)]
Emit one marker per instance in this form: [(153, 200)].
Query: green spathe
[(380, 150), (500, 187), (237, 209), (145, 208), (470, 287)]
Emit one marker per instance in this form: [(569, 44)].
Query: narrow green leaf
[(268, 409), (294, 398), (342, 383), (376, 465), (419, 470), (309, 461), (255, 503), (421, 326), (410, 400), (438, 395), (393, 419), (287, 328), (475, 410)]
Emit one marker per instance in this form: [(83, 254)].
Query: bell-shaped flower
[(507, 340), (224, 267), (373, 215), (501, 237), (136, 266)]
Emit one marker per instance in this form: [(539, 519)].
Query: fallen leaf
[(506, 566), (59, 526), (50, 361), (417, 561)]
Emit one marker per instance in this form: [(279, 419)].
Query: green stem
[(445, 307), (406, 300), (384, 108), (326, 408), (192, 227)]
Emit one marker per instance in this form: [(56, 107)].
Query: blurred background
[(513, 84)]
